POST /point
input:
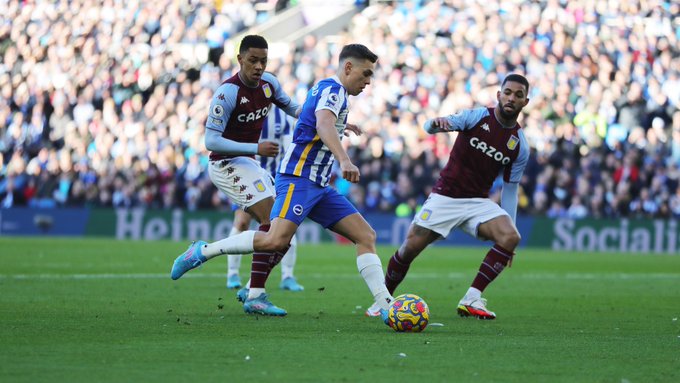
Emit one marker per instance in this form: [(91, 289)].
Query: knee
[(278, 244), (368, 237), (260, 211), (242, 225), (372, 236), (510, 239)]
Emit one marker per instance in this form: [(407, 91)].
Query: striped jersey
[(277, 127), (483, 149), (238, 111), (308, 156)]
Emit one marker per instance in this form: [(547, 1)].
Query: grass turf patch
[(107, 311)]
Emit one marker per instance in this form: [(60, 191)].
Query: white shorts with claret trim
[(442, 214), (242, 180)]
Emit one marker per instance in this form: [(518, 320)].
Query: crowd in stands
[(103, 103)]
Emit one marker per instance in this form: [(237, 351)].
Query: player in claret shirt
[(490, 142), (237, 112)]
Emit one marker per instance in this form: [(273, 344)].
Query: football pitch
[(95, 310)]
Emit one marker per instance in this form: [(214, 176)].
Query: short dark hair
[(358, 51), (514, 77), (252, 41)]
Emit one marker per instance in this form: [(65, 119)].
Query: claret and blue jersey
[(483, 149), (238, 111)]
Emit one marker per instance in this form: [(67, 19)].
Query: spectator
[(108, 89), (577, 209)]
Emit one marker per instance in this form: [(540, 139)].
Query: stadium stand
[(103, 103)]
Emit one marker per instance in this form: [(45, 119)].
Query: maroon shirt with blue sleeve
[(483, 150), (238, 111)]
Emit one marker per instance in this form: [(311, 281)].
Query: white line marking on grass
[(591, 276), (531, 276)]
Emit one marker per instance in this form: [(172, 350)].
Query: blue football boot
[(242, 295), (384, 317), (375, 311), (233, 282), (261, 305), (291, 284), (188, 260)]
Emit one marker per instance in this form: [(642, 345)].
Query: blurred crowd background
[(103, 102)]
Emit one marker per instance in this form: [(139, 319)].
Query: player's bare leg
[(502, 231), (417, 239), (355, 228)]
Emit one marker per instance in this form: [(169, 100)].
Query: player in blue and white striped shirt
[(308, 155), (277, 127), (302, 183)]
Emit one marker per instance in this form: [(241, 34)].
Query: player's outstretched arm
[(325, 128), (436, 125), (463, 120)]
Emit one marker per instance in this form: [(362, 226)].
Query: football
[(408, 313)]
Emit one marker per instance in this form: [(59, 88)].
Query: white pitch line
[(457, 275)]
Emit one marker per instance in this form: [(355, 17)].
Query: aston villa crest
[(259, 186), (267, 90), (512, 142), (425, 214)]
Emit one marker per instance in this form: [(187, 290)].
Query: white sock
[(233, 260), (239, 244), (472, 294), (233, 264), (288, 261), (255, 292), (370, 268)]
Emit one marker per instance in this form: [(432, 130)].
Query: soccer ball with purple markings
[(408, 313)]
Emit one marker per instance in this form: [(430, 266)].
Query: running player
[(303, 183), (490, 142), (237, 112)]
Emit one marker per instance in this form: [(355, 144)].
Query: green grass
[(89, 310)]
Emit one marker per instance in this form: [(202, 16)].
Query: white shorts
[(242, 180), (442, 214)]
